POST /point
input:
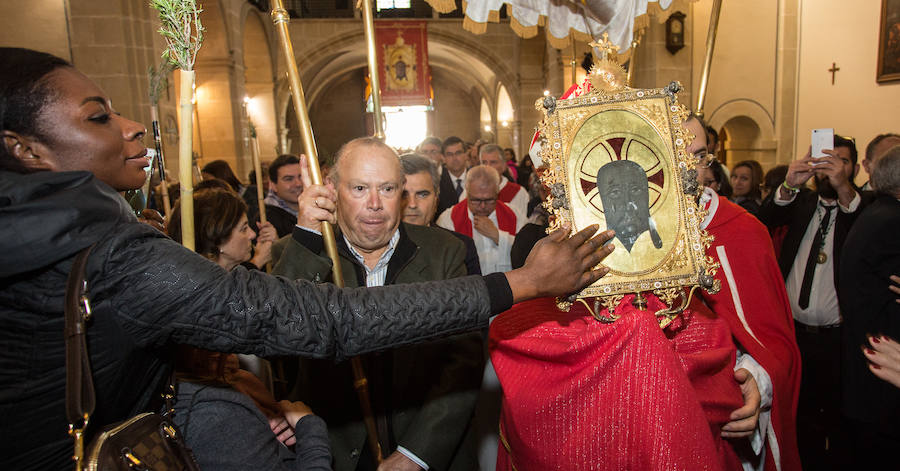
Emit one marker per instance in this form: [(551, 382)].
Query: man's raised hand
[(317, 203)]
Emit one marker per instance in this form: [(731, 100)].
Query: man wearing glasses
[(490, 223), (431, 148)]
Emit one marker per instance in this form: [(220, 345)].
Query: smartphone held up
[(822, 139)]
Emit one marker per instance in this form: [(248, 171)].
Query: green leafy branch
[(181, 29)]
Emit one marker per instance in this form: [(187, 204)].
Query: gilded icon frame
[(580, 135)]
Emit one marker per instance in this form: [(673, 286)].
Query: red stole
[(580, 394), (508, 192), (763, 306), (506, 218)]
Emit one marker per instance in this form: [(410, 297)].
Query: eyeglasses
[(485, 201), (459, 152)]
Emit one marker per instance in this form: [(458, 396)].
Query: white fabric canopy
[(585, 19)]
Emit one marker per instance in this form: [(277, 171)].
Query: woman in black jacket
[(64, 154)]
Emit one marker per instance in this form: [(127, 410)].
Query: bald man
[(491, 223), (422, 395)]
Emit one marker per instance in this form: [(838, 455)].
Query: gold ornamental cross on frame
[(605, 46)]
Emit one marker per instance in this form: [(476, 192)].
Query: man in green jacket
[(423, 395)]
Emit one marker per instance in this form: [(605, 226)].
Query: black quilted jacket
[(149, 293)]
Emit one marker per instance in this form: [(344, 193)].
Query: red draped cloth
[(459, 214), (508, 192), (579, 394), (754, 302)]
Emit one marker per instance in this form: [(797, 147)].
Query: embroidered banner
[(402, 50)]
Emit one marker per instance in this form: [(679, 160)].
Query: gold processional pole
[(707, 63), (574, 62), (369, 24), (281, 19), (635, 42)]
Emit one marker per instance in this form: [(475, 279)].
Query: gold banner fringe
[(442, 6), (527, 32), (473, 26), (521, 30)]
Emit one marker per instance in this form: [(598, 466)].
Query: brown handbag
[(146, 442)]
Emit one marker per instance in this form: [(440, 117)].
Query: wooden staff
[(707, 62), (181, 28), (369, 24), (281, 19), (158, 82), (160, 162), (257, 168)]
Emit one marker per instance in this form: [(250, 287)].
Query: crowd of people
[(792, 364), (837, 250)]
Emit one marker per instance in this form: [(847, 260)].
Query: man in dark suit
[(871, 407), (423, 396), (421, 192), (818, 223), (453, 173)]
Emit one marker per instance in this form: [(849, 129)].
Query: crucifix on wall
[(834, 68)]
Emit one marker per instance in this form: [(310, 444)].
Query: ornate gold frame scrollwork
[(580, 135)]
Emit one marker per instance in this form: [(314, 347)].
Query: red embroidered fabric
[(580, 394)]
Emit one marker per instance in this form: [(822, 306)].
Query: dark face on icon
[(623, 189), (400, 70)]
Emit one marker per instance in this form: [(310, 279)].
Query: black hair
[(850, 144), (775, 177), (211, 183), (712, 132), (721, 177), (452, 140), (24, 92), (281, 161), (221, 170)]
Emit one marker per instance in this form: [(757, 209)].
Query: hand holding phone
[(821, 139)]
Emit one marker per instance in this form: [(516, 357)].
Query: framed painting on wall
[(889, 42)]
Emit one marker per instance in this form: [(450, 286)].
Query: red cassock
[(579, 394), (754, 302)]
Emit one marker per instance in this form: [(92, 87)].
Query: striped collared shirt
[(376, 275)]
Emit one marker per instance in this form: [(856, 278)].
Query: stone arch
[(258, 79), (340, 53), (748, 131), (219, 92)]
